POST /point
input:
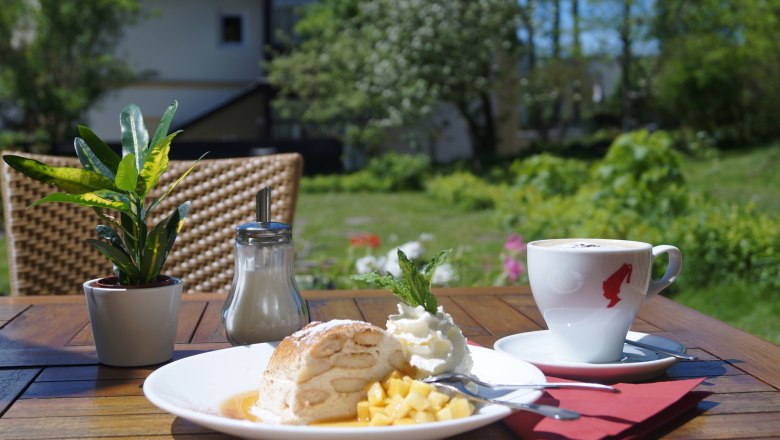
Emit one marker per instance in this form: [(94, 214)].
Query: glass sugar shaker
[(264, 303)]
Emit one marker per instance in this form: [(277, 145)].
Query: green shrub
[(550, 174), (637, 192), (405, 172), (464, 190), (641, 172), (387, 173), (728, 244)]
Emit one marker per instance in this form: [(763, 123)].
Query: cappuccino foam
[(587, 245)]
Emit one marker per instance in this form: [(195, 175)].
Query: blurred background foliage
[(361, 67), (56, 60), (682, 148)]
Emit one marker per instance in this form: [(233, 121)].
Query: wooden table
[(51, 385)]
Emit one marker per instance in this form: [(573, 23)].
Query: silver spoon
[(450, 377), (544, 410), (678, 355)]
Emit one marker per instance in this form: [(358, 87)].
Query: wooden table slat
[(737, 403), (97, 426), (55, 325), (84, 388), (495, 316), (78, 406), (13, 383), (742, 383), (729, 426), (11, 311), (210, 327), (51, 385), (752, 354)]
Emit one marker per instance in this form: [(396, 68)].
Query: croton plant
[(117, 188)]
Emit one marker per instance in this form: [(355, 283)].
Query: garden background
[(682, 148)]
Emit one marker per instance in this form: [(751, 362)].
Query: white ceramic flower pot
[(135, 326)]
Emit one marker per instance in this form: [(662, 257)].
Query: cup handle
[(672, 269)]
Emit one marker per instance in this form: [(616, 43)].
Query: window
[(232, 30)]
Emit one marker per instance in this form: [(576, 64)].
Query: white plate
[(639, 364), (194, 388)]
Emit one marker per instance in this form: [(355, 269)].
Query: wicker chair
[(47, 252)]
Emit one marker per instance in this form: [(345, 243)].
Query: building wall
[(240, 121), (180, 42)]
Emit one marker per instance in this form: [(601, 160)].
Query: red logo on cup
[(612, 284)]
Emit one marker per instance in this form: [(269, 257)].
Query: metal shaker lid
[(264, 230)]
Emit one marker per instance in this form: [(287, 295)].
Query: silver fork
[(465, 378), (545, 410)]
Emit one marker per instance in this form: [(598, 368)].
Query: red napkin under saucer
[(637, 410)]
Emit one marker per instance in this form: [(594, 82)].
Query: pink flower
[(513, 268), (515, 243)]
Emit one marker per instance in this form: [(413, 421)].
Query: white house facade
[(202, 53)]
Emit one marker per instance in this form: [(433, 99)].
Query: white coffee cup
[(590, 290)]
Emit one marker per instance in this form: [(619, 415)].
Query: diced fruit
[(376, 394), (397, 387), (460, 407), (423, 416), (421, 388), (374, 410), (437, 400), (398, 408), (401, 400), (417, 401), (380, 419), (394, 375), (444, 414), (363, 413)]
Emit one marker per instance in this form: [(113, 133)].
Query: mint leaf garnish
[(414, 286)]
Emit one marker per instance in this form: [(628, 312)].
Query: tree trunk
[(472, 128), (555, 119), (506, 105), (488, 140), (536, 110), (625, 65), (577, 55)]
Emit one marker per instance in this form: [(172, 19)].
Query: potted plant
[(133, 313)]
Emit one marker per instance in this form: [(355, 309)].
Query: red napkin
[(637, 410)]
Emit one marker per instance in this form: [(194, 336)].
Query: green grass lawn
[(739, 177), (324, 224)]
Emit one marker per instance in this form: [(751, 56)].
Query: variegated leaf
[(103, 152), (92, 199), (164, 125), (155, 252), (126, 175), (89, 160), (70, 180), (135, 138), (121, 260), (155, 165)]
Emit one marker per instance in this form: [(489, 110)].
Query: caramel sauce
[(240, 407)]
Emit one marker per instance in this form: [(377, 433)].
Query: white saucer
[(639, 364)]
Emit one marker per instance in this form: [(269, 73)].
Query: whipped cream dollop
[(434, 343)]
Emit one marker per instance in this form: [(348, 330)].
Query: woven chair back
[(48, 255)]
